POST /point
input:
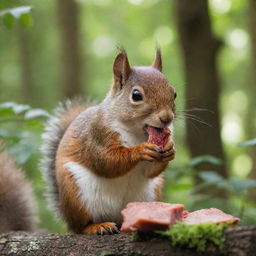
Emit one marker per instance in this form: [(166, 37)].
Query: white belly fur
[(105, 198)]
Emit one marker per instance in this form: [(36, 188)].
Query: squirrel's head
[(142, 96)]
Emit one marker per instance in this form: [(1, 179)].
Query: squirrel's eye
[(175, 95), (136, 95)]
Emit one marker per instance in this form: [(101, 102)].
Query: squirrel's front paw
[(151, 152), (168, 153), (101, 229)]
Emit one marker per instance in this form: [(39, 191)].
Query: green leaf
[(10, 136), (248, 143), (22, 13), (35, 113), (22, 152), (211, 177), (8, 20), (16, 108), (241, 185), (26, 20), (205, 159), (17, 11)]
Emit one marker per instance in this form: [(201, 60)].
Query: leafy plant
[(20, 128), (205, 159), (237, 186), (21, 14)]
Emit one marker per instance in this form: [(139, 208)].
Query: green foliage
[(21, 14), (237, 186), (13, 111), (8, 20), (205, 159), (180, 188), (21, 127), (248, 143), (197, 237)]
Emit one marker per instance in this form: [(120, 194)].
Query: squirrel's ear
[(157, 63), (121, 68)]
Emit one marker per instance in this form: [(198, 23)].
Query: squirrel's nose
[(166, 118), (165, 121)]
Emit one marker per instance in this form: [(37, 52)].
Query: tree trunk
[(26, 81), (251, 114), (240, 241), (199, 49), (70, 60)]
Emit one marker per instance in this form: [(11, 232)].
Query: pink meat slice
[(158, 136), (149, 216), (212, 215)]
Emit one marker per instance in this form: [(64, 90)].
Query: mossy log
[(240, 241)]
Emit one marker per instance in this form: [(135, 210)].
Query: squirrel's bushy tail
[(54, 131), (17, 204)]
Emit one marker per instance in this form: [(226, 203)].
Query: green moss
[(199, 237)]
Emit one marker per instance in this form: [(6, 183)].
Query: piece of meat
[(158, 136), (149, 216), (212, 215)]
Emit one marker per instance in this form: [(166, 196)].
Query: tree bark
[(240, 241), (199, 49), (251, 114), (70, 59)]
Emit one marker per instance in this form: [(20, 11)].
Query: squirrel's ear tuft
[(157, 63), (121, 68)]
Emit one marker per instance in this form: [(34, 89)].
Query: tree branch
[(239, 241)]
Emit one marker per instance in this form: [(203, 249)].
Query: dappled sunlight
[(164, 35), (242, 165), (138, 2), (237, 38), (103, 46), (235, 111), (231, 131), (220, 6), (234, 98)]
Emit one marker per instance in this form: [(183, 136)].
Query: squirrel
[(17, 204), (97, 158)]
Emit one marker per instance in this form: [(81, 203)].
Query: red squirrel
[(17, 204), (97, 158)]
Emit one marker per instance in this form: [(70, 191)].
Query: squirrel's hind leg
[(72, 209), (101, 229), (74, 212)]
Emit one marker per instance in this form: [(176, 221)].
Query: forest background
[(53, 50)]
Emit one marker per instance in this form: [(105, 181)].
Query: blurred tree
[(251, 113), (199, 49), (68, 15)]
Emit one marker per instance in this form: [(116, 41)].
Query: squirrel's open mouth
[(158, 136)]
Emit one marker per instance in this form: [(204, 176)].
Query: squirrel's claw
[(105, 228)]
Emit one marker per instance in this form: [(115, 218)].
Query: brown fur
[(158, 189), (89, 140), (17, 208), (64, 114), (72, 210)]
